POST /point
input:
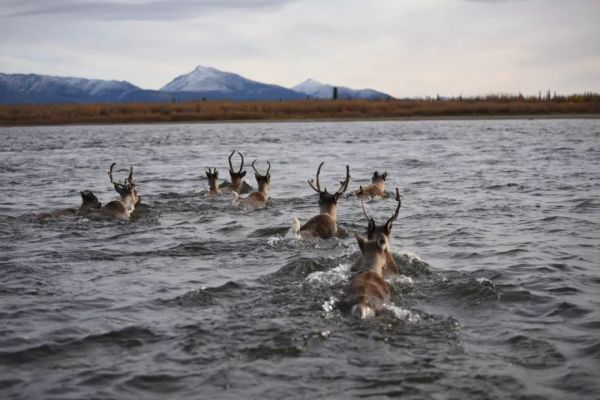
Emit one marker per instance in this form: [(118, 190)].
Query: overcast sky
[(403, 47)]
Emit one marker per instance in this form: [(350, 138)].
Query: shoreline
[(465, 117), (299, 111)]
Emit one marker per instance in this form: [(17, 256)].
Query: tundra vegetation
[(488, 106)]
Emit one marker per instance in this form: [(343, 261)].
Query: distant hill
[(203, 83), (212, 83), (44, 89), (318, 90)]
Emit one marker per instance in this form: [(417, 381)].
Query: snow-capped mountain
[(203, 83), (216, 84), (35, 89), (318, 90)]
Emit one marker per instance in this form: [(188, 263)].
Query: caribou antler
[(130, 177), (111, 176), (129, 181), (231, 165), (229, 158), (393, 217), (242, 164), (311, 182), (362, 202), (344, 183), (258, 173)]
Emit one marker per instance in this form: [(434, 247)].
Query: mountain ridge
[(202, 83), (318, 90)]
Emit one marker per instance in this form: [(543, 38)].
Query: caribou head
[(263, 181), (328, 201), (258, 199), (377, 178), (374, 230), (376, 188), (126, 190), (89, 203), (236, 176), (213, 177)]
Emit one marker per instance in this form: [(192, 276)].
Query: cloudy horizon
[(404, 48)]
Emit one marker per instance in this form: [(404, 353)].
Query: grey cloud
[(495, 1), (144, 10)]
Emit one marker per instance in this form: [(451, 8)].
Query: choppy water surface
[(497, 241)]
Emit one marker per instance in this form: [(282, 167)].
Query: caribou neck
[(264, 188), (379, 184), (329, 209)]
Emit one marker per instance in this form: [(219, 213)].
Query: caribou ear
[(207, 174), (370, 228), (243, 174), (384, 175), (388, 227), (361, 242)]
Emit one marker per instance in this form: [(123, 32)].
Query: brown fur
[(89, 203), (374, 232), (235, 185), (323, 225), (213, 186), (258, 199), (369, 289), (375, 189), (369, 292), (125, 206), (116, 209)]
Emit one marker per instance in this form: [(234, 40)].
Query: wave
[(533, 353), (128, 337)]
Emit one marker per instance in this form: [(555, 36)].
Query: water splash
[(403, 313), (333, 277)]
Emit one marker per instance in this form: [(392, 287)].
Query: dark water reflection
[(497, 241)]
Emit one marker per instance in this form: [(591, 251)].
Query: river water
[(497, 241)]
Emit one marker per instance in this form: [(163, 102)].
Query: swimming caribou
[(374, 232), (376, 188), (237, 183), (213, 186), (323, 225), (259, 198), (89, 203), (369, 292), (122, 208)]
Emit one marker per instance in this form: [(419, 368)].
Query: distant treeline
[(487, 106)]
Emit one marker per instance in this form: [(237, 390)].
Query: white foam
[(402, 313), (412, 257), (273, 240), (328, 304), (336, 275), (485, 282), (401, 280)]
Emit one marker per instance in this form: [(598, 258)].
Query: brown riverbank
[(584, 106)]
